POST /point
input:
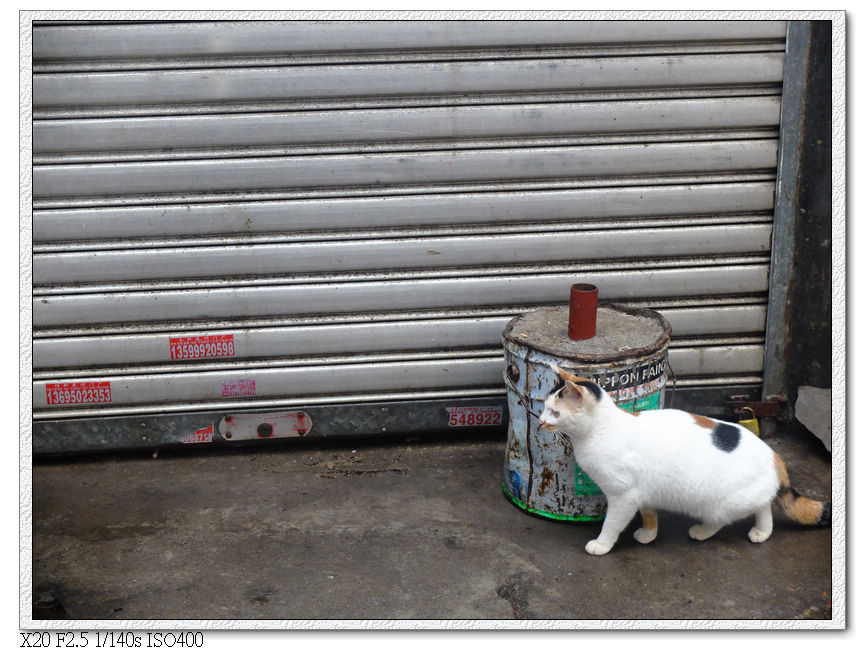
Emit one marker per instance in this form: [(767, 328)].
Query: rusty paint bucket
[(627, 357)]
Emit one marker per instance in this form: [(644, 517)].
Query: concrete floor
[(390, 529)]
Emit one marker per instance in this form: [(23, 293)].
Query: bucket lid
[(622, 333)]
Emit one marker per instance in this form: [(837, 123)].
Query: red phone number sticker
[(200, 347), (474, 416), (83, 392)]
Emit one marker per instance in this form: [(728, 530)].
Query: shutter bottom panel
[(413, 414)]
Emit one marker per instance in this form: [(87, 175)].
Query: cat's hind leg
[(649, 531), (762, 526), (620, 511), (703, 531)]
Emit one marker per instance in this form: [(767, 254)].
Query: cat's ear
[(581, 394), (573, 393), (563, 373)]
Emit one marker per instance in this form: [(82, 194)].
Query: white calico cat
[(672, 460)]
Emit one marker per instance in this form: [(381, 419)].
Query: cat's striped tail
[(799, 508)]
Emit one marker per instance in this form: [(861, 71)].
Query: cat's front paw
[(759, 536), (645, 536), (594, 547)]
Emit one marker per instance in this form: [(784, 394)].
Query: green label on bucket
[(583, 484), (646, 403)]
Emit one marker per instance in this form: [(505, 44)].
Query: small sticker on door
[(239, 388), (201, 435)]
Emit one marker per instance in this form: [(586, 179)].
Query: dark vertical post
[(798, 325)]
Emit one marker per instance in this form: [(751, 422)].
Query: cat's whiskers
[(564, 440)]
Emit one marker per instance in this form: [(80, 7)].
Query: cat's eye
[(555, 414)]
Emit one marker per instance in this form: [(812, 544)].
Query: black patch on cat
[(560, 384), (726, 437), (785, 489), (825, 517), (593, 387)]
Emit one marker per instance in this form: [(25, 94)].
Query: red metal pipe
[(583, 314)]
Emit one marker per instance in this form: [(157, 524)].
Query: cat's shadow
[(673, 534)]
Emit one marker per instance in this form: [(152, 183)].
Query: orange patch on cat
[(566, 375), (781, 471), (572, 377), (703, 421), (650, 519)]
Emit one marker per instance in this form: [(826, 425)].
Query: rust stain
[(546, 478), (514, 450), (703, 421)]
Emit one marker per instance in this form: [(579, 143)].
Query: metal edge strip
[(786, 194)]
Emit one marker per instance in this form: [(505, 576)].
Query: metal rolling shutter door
[(363, 206)]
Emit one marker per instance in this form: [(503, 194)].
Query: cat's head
[(571, 402)]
